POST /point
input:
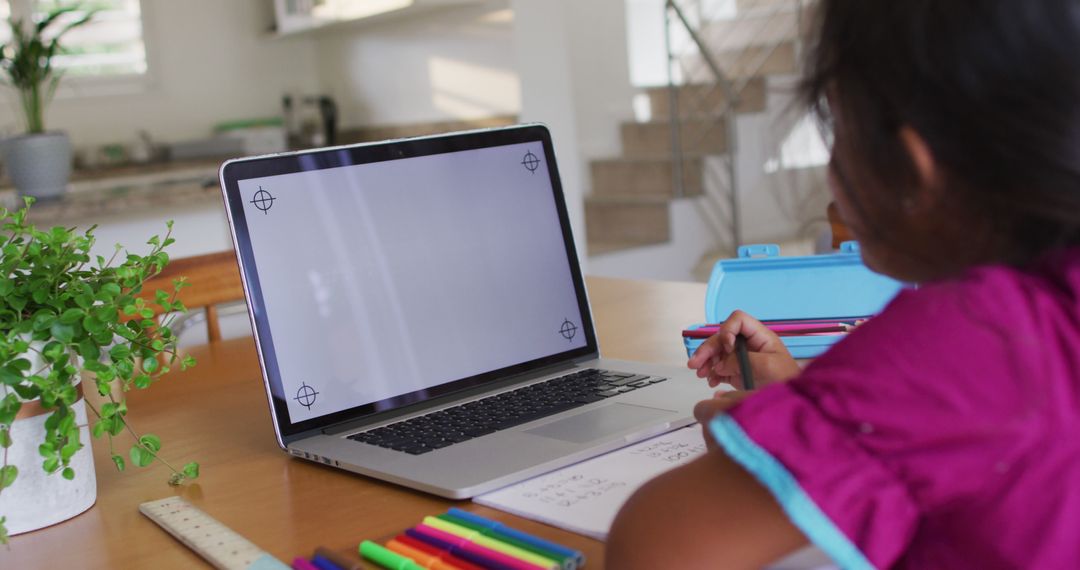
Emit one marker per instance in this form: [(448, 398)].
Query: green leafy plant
[(73, 313), (27, 61)]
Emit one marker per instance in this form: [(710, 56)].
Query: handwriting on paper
[(585, 497)]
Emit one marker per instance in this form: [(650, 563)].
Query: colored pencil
[(783, 330), (811, 321), (435, 551), (744, 362), (462, 548), (569, 559), (492, 543)]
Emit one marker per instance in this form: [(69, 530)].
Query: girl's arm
[(709, 513)]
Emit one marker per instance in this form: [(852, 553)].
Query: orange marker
[(422, 558)]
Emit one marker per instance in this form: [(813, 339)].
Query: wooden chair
[(840, 231), (214, 279)]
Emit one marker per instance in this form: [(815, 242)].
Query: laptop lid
[(382, 275)]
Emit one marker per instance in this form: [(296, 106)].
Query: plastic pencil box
[(769, 287)]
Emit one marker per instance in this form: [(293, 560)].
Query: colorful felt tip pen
[(324, 563), (435, 551), (422, 558), (436, 542), (387, 558), (570, 558), (480, 538), (343, 562), (473, 552), (301, 564)]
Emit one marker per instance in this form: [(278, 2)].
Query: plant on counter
[(72, 313), (27, 61)]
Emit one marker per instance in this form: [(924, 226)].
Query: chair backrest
[(840, 231), (214, 279)]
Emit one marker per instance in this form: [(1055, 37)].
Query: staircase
[(692, 160)]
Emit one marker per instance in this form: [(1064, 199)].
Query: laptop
[(421, 317)]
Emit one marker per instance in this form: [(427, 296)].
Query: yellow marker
[(488, 542)]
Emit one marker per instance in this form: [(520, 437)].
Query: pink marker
[(463, 545), (301, 564)]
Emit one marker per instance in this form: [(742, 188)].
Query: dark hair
[(992, 86)]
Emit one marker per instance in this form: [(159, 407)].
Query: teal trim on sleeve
[(800, 508)]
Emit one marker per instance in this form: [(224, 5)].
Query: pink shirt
[(941, 434)]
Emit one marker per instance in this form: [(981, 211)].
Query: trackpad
[(600, 422)]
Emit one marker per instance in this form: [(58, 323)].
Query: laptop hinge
[(494, 386)]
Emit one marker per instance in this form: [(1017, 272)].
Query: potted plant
[(63, 313), (39, 162)]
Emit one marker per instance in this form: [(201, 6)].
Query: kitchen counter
[(128, 190)]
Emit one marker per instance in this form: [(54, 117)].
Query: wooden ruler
[(220, 545)]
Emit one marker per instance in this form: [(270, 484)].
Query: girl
[(941, 434)]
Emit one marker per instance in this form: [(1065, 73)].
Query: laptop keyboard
[(480, 417)]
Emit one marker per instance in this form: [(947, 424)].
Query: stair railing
[(731, 85)]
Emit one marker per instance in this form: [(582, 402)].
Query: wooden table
[(216, 413)]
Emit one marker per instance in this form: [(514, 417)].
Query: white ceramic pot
[(38, 499), (39, 165)]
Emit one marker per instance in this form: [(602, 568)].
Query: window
[(110, 45)]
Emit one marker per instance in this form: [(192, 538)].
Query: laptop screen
[(383, 275)]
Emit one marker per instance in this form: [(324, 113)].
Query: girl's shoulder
[(991, 316)]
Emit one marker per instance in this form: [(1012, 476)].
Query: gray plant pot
[(39, 165)]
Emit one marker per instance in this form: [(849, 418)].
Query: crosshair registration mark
[(263, 200), (530, 162), (568, 330), (306, 395)]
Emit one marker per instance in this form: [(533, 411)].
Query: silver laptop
[(421, 317)]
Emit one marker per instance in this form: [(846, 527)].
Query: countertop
[(99, 193)]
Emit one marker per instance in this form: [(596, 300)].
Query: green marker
[(386, 558)]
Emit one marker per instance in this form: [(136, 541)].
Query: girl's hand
[(770, 360), (721, 401)]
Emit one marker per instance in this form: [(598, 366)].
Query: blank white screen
[(387, 278)]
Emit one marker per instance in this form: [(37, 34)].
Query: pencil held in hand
[(743, 356)]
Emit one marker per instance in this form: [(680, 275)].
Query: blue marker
[(323, 563), (518, 535)]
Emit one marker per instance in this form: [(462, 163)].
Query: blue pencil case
[(770, 287)]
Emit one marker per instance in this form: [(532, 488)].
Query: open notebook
[(585, 497)]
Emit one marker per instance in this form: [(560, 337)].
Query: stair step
[(744, 5), (644, 177), (756, 28), (615, 223), (707, 136), (750, 62), (705, 98)]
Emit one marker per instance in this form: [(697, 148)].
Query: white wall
[(600, 71), (210, 61), (445, 64), (572, 61)]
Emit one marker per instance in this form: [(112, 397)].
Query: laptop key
[(624, 381), (478, 431)]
